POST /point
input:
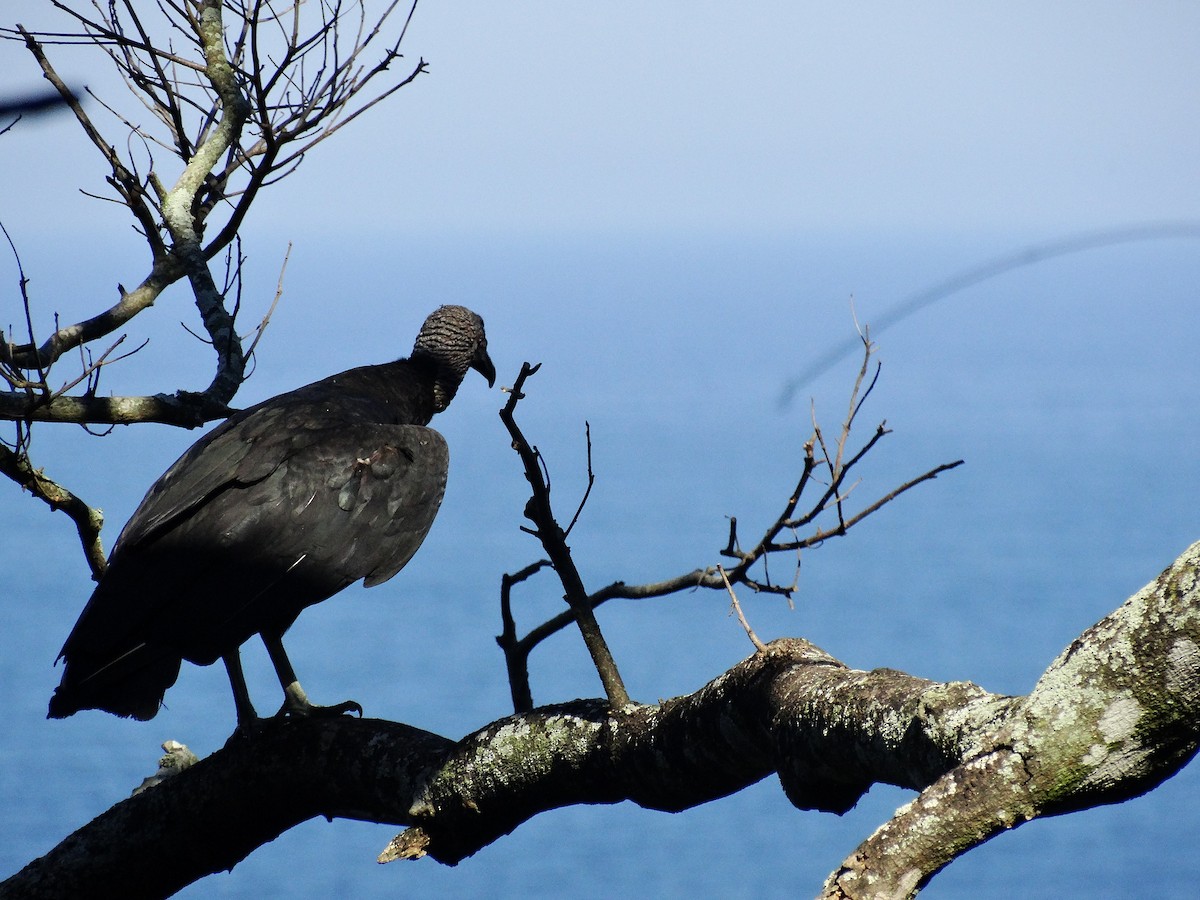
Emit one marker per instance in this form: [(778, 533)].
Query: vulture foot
[(297, 706)]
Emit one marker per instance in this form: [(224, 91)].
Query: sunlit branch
[(837, 462), (15, 464), (237, 94)]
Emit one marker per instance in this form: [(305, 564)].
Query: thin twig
[(759, 646), (587, 427), (262, 326)]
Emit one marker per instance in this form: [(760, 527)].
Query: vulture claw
[(297, 706), (338, 709)]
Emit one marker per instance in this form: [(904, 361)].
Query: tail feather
[(132, 685)]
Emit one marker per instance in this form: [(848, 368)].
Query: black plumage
[(280, 507)]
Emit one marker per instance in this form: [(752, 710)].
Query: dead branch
[(183, 409), (591, 481), (553, 539), (516, 652), (836, 462), (237, 93), (68, 337), (230, 120), (737, 608), (260, 330)]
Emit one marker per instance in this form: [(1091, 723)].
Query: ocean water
[(1070, 388)]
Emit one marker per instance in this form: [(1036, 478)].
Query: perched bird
[(280, 507)]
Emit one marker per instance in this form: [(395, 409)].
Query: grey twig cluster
[(237, 95)]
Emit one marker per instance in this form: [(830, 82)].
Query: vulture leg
[(241, 697), (295, 701)]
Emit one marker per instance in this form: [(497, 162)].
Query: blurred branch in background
[(960, 281), (32, 104)]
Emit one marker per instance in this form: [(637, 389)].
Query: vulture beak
[(482, 363)]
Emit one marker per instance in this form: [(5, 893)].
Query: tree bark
[(1111, 718), (1115, 715)]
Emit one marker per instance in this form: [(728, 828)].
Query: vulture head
[(452, 338)]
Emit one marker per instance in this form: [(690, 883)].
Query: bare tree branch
[(737, 608), (183, 409), (1112, 717), (553, 540), (88, 520), (205, 99), (516, 652), (836, 464), (232, 109)]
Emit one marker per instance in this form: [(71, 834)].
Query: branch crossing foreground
[(1111, 718)]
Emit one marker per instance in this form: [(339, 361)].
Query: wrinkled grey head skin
[(453, 339)]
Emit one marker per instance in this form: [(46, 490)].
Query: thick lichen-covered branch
[(224, 807), (1112, 717)]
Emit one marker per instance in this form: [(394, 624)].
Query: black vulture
[(280, 507)]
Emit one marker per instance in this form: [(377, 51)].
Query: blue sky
[(539, 117)]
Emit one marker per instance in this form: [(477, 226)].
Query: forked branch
[(825, 466), (554, 541), (237, 92)]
